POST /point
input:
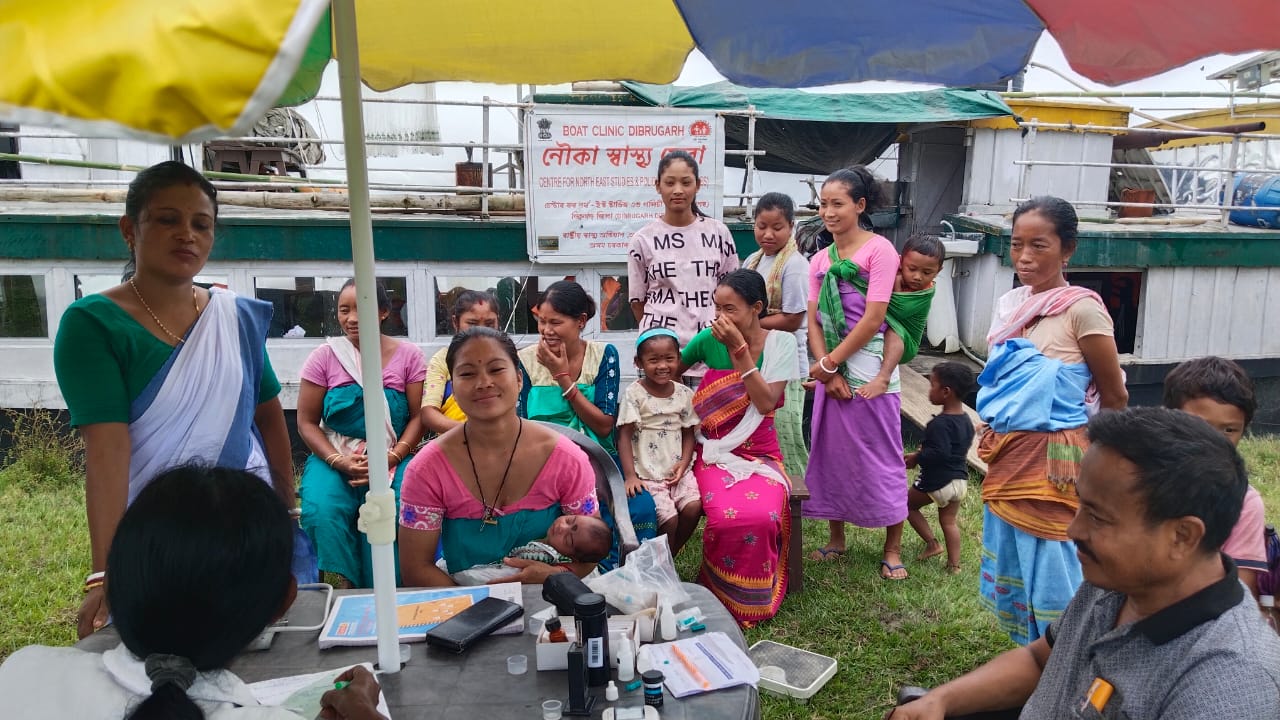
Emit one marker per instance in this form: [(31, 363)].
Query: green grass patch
[(922, 631), (44, 555), (884, 634)]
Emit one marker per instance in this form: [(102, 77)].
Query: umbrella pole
[(377, 516)]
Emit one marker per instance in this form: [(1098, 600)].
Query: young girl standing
[(855, 469), (655, 437), (675, 261), (786, 279)]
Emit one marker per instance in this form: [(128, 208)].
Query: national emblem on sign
[(544, 129)]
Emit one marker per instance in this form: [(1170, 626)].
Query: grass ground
[(885, 634)]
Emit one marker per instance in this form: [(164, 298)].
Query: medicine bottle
[(653, 687), (589, 612), (555, 633)]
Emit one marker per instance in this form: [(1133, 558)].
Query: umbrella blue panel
[(764, 43)]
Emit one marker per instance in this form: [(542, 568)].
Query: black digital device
[(561, 590), (463, 630)]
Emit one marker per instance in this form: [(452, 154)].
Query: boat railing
[(1228, 169), (473, 196)]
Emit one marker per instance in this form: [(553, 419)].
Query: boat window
[(516, 294), (615, 310), (307, 307), (93, 283), (23, 306), (1120, 292)]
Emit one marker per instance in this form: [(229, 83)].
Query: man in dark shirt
[(1162, 626), (944, 476)]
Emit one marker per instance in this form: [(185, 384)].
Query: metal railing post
[(750, 164), (1024, 179), (486, 179), (1227, 197)]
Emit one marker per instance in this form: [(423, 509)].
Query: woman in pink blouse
[(493, 483), (331, 423)]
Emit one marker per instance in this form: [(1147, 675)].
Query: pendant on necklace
[(488, 518)]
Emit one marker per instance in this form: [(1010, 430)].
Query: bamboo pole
[(213, 175), (411, 202)]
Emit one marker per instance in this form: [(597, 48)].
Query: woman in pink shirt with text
[(676, 261)]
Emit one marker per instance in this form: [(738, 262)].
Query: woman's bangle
[(740, 349), (559, 375), (95, 580), (401, 442), (571, 390), (822, 364), (295, 512), (748, 372), (398, 456), (332, 459)]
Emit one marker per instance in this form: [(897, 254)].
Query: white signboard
[(591, 174)]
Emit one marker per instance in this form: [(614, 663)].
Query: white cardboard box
[(555, 656)]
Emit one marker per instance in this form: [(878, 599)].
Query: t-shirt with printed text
[(674, 272)]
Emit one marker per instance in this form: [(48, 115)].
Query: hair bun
[(165, 669)]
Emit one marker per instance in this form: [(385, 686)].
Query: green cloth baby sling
[(907, 313)]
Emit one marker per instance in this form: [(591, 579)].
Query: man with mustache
[(1162, 626)]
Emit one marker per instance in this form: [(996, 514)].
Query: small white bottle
[(667, 621), (611, 692), (626, 661)]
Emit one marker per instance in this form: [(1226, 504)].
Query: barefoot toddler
[(941, 458)]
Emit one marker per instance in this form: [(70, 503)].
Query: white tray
[(786, 670)]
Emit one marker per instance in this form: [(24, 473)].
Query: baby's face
[(575, 535), (558, 533), (918, 271)]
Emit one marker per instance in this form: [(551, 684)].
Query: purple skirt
[(856, 473)]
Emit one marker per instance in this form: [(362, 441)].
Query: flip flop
[(824, 554), (889, 569)]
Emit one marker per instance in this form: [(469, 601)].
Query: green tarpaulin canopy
[(925, 106), (816, 133)]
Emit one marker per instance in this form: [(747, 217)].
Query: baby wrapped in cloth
[(570, 539)]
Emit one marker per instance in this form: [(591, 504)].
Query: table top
[(437, 685)]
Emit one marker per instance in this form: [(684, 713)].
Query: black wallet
[(463, 630)]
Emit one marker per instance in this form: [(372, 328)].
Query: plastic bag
[(648, 573)]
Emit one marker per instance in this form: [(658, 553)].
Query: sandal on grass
[(953, 569), (887, 571), (823, 554)]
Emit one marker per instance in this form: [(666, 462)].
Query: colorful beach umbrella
[(191, 70), (962, 43)]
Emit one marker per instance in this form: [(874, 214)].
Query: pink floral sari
[(744, 561)]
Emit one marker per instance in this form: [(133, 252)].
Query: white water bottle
[(667, 621), (1268, 603), (626, 661)]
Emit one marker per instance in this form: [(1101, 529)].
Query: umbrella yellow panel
[(520, 41), (159, 70)]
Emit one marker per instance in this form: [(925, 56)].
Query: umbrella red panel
[(1117, 42)]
